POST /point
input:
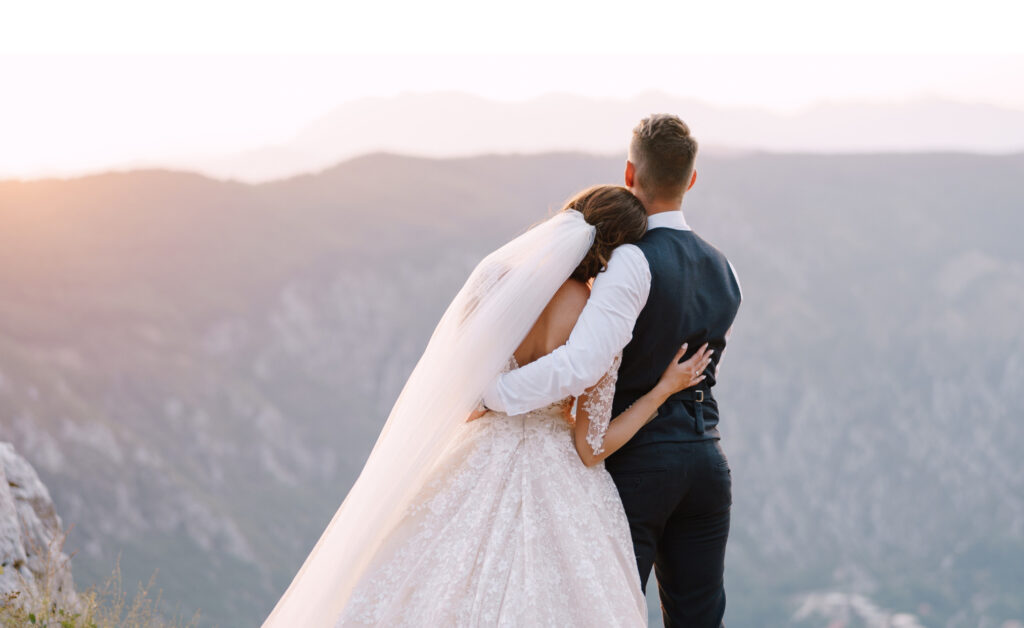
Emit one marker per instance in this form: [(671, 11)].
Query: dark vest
[(694, 298)]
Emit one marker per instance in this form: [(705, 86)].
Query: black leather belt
[(697, 397)]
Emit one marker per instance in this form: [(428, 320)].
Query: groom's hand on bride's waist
[(477, 412)]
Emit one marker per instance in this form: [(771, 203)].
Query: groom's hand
[(477, 412)]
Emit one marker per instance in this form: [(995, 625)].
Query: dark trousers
[(677, 497)]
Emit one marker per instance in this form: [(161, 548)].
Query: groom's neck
[(660, 206)]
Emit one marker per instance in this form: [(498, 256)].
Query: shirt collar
[(671, 219)]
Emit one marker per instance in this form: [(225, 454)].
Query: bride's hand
[(682, 375)]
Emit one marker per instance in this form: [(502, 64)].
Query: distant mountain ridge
[(452, 124)]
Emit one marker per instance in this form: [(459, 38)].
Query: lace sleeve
[(598, 406)]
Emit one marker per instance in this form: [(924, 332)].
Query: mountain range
[(198, 368), (453, 124)]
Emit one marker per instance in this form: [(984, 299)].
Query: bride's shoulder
[(569, 300), (563, 311), (573, 292)]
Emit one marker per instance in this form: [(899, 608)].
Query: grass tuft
[(43, 601)]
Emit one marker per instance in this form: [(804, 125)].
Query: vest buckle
[(698, 396)]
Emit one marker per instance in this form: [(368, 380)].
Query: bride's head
[(619, 218)]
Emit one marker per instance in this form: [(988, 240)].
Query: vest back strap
[(697, 397)]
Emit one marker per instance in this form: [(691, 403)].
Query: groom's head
[(660, 168)]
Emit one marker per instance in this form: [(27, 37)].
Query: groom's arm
[(604, 327)]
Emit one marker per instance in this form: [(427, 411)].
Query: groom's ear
[(630, 173), (693, 179)]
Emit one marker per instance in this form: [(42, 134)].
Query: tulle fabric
[(484, 324)]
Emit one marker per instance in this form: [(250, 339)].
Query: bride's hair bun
[(618, 218)]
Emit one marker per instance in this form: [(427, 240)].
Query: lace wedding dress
[(510, 529)]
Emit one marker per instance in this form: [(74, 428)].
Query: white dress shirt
[(604, 327)]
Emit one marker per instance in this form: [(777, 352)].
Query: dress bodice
[(597, 405), (561, 409)]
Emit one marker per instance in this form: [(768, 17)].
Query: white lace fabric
[(510, 529), (598, 406)]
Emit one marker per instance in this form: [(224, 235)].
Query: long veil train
[(485, 322)]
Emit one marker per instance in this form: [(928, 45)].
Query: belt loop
[(698, 406)]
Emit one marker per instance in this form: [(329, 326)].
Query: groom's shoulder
[(707, 245), (663, 243), (716, 253), (710, 247), (656, 237)]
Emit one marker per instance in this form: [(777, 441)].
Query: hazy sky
[(99, 97)]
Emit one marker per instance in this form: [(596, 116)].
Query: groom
[(671, 287)]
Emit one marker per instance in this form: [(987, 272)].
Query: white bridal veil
[(479, 331)]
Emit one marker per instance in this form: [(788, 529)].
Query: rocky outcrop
[(31, 559)]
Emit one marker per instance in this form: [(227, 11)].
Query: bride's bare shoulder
[(555, 324), (566, 305), (572, 294)]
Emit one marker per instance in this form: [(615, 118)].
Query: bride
[(499, 521)]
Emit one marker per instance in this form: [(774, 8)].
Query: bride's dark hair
[(618, 215)]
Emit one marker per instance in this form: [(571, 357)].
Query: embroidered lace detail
[(564, 406), (598, 406), (511, 529)]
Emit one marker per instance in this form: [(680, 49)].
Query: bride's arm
[(595, 406)]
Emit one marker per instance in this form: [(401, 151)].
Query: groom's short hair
[(663, 153)]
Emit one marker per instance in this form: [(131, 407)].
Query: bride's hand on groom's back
[(682, 375)]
